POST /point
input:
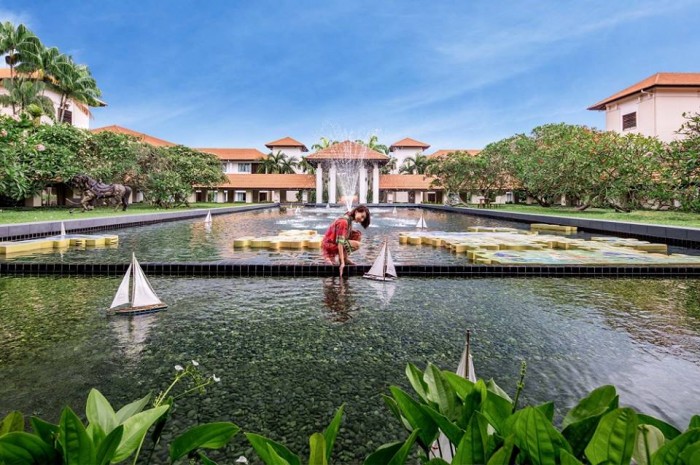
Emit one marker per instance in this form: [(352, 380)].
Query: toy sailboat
[(297, 211), (207, 220), (142, 298), (394, 211), (421, 222), (383, 268), (328, 205)]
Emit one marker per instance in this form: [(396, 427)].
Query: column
[(375, 183), (333, 173), (319, 184), (304, 196), (419, 196), (248, 196), (363, 184)]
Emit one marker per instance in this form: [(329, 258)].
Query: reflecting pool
[(290, 351)]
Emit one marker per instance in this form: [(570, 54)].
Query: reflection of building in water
[(338, 299), (132, 332)]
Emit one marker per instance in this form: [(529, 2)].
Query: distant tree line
[(584, 166)]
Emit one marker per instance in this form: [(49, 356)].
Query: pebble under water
[(290, 351)]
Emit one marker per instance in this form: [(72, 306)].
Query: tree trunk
[(583, 207)]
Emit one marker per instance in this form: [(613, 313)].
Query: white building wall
[(670, 107), (401, 154), (80, 119)]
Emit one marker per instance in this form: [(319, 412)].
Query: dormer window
[(629, 121)]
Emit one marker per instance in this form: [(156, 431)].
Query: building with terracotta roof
[(76, 113), (139, 135), (406, 148), (653, 106)]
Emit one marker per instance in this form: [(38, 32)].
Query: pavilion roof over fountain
[(347, 150)]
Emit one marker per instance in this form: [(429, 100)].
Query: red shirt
[(339, 231)]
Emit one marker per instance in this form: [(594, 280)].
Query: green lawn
[(29, 215), (669, 218)]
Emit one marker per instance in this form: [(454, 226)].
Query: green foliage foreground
[(481, 421)]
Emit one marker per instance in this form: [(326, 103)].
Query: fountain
[(349, 166)]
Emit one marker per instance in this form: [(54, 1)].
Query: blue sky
[(456, 74)]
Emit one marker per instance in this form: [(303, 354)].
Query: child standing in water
[(340, 239)]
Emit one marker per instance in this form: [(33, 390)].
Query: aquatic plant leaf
[(453, 432), (45, 430), (76, 444), (614, 438), (411, 410), (208, 436), (471, 450), (547, 410), (317, 452), (415, 377), (269, 450), (497, 410), (204, 460), (502, 455), (107, 448), (691, 454), (599, 401), (18, 447), (649, 440), (566, 458), (496, 389), (401, 455), (132, 409), (13, 421), (135, 428), (330, 433), (100, 412), (670, 431), (462, 386), (440, 391), (536, 437), (670, 453), (383, 454), (694, 422)]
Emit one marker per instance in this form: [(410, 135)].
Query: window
[(240, 196), (67, 115), (629, 121), (224, 167), (244, 167)]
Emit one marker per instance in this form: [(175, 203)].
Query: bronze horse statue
[(93, 190)]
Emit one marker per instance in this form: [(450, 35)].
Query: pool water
[(290, 351)]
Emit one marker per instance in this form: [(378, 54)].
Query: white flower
[(178, 368), (40, 147), (215, 378), (195, 363), (241, 459)]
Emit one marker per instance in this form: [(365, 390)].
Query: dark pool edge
[(229, 269), (671, 235), (23, 231)]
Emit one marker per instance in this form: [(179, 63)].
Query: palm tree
[(287, 165), (414, 165), (324, 143), (23, 93), (373, 144), (17, 43), (389, 167), (306, 167), (74, 82)]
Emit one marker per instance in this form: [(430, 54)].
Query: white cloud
[(16, 17)]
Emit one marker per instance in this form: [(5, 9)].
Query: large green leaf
[(274, 458), (598, 402), (330, 433), (415, 377), (471, 450), (497, 410), (614, 438), (317, 451), (383, 454), (414, 414), (536, 436), (132, 409), (19, 447), (691, 454), (440, 391), (502, 455), (107, 448), (461, 385), (45, 430), (208, 436), (566, 458), (204, 460), (13, 421), (473, 402), (453, 432), (649, 440), (263, 447), (547, 410), (76, 444), (496, 389), (100, 412), (670, 431), (694, 422), (670, 453), (135, 428)]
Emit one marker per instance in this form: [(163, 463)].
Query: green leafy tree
[(373, 144), (389, 166), (323, 143), (74, 82), (306, 167), (23, 93), (16, 43), (679, 175), (416, 164)]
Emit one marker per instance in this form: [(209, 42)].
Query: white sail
[(328, 205), (208, 218), (297, 210), (378, 265), (390, 268), (394, 211), (63, 229), (143, 292), (421, 222), (122, 296)]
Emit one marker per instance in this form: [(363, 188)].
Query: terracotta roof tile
[(657, 80), (404, 181), (286, 142), (444, 152), (139, 135), (270, 181), (345, 150), (408, 142), (235, 154)]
